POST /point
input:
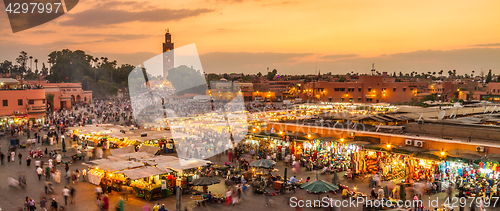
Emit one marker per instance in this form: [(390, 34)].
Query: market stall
[(105, 172), (148, 182)]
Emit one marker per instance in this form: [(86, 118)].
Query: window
[(369, 89), (359, 99), (404, 89), (383, 89), (20, 102), (5, 103), (342, 99), (43, 101), (329, 99), (350, 89), (31, 102), (359, 89), (394, 89), (350, 99)]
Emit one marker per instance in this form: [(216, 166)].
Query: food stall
[(149, 182), (105, 172)]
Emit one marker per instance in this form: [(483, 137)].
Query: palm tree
[(472, 75), (31, 63), (36, 66), (441, 73), (50, 99)]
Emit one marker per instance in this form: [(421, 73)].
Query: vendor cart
[(199, 199), (150, 193)]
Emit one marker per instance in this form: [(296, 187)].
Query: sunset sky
[(291, 36)]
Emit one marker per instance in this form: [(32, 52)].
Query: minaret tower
[(168, 60)]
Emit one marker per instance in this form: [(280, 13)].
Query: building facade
[(368, 89), (65, 94), (20, 103)]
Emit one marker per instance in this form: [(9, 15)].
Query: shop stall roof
[(465, 154), (124, 150), (118, 135), (359, 143), (187, 164), (399, 118), (119, 165), (408, 150), (160, 160), (99, 161), (144, 172), (384, 118), (376, 118), (148, 149), (133, 155)]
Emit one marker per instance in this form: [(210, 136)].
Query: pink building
[(21, 103), (65, 94)]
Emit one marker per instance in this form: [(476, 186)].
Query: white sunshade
[(140, 173), (119, 165)]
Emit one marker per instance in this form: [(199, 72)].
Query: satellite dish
[(486, 110), (466, 112), (452, 114), (441, 115), (493, 110)]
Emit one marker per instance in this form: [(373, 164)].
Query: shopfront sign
[(39, 108)]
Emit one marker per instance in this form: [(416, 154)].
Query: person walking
[(1, 157), (105, 201), (72, 194), (12, 156), (20, 156), (54, 204), (68, 176), (39, 171), (84, 174), (121, 205), (47, 173), (42, 203), (28, 161), (66, 193)]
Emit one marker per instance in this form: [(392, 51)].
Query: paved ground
[(12, 197)]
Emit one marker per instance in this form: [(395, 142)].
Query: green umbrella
[(263, 163), (319, 186), (204, 181), (402, 192), (63, 145)]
